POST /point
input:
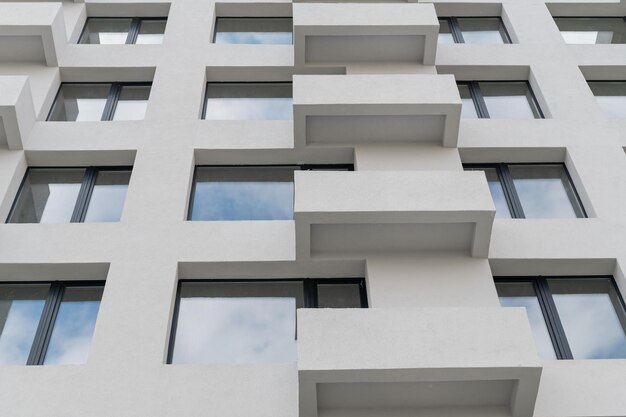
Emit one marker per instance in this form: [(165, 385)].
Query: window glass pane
[(522, 294), (106, 31), (107, 198), (48, 196), (21, 306), (80, 102), (468, 109), (243, 194), (482, 30), (497, 192), (74, 325), (510, 100), (445, 34), (254, 30), (592, 316), (232, 101), (545, 191), (132, 103), (151, 32), (338, 296), (611, 97), (237, 322), (589, 30)]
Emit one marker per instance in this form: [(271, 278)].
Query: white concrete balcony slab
[(31, 32), (341, 34), (17, 112), (347, 215), (346, 110), (417, 361)]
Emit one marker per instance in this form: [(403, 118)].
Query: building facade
[(183, 181)]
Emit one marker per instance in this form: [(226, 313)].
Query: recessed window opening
[(592, 30), (254, 30), (611, 97), (482, 30), (248, 101), (123, 30), (498, 100)]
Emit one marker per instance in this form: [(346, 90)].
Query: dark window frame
[(548, 307), (309, 286), (512, 199), (251, 18), (84, 195), (207, 83), (112, 97), (43, 334), (457, 35), (133, 31), (479, 100), (302, 167)]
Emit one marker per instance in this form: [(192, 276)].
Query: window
[(248, 101), (47, 323), (254, 30), (245, 193), (250, 321), (498, 100), (123, 30), (71, 195), (592, 30), (489, 30), (100, 101), (570, 317), (611, 96), (531, 190)]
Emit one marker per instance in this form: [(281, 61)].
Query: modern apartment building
[(312, 209)]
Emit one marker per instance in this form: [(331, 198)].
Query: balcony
[(17, 113), (417, 361), (341, 34), (347, 110), (350, 214)]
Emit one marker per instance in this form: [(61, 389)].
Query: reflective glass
[(445, 34), (132, 103), (107, 198), (80, 102), (48, 196), (255, 30), (482, 30), (545, 191), (238, 322), (106, 31), (522, 294), (243, 194), (248, 101), (592, 316), (592, 30), (468, 109), (509, 100), (338, 296), (497, 192), (74, 326), (21, 306), (151, 32), (611, 96)]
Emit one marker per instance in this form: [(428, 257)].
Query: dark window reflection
[(151, 31), (487, 30), (254, 30), (338, 296), (106, 31), (248, 101), (80, 102)]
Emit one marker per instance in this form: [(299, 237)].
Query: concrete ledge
[(350, 214), (340, 110), (339, 34), (17, 112), (415, 359)]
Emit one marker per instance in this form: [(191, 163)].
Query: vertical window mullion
[(82, 202), (363, 294), (109, 108), (479, 101), (46, 324), (134, 31), (509, 188), (553, 320), (457, 35), (310, 293)]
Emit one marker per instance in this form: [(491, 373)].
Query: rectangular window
[(498, 100), (254, 30), (531, 190), (78, 102), (248, 101), (611, 97), (570, 317), (250, 321), (592, 30), (245, 193), (47, 323), (123, 30), (71, 195), (483, 30)]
